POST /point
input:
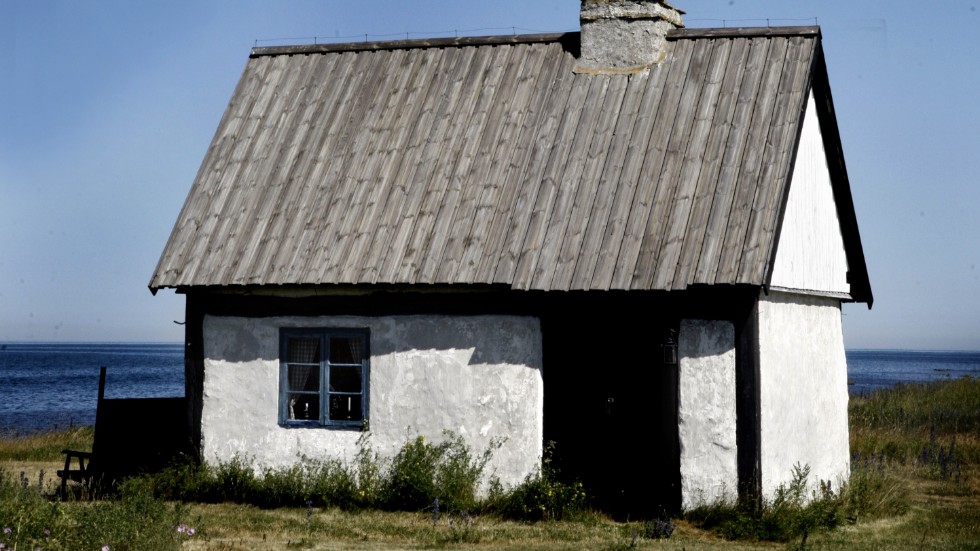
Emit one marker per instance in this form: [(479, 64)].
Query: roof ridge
[(490, 40), (735, 32), (260, 51)]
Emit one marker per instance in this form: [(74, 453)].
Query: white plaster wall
[(802, 389), (478, 376), (811, 254), (706, 412)]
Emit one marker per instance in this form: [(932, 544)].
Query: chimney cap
[(593, 10), (625, 36)]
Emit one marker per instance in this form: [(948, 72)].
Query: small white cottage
[(640, 234)]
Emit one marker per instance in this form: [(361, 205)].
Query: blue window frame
[(323, 377)]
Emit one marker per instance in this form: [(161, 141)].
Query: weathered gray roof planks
[(491, 161)]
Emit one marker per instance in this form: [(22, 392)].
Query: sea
[(56, 385)]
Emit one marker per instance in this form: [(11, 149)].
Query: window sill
[(353, 426)]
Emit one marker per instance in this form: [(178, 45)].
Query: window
[(323, 377)]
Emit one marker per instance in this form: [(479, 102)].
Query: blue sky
[(107, 108)]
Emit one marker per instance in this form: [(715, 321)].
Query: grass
[(45, 446), (907, 420), (29, 520), (37, 456), (915, 485)]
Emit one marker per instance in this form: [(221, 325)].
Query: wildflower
[(105, 548), (181, 528), (47, 532), (7, 530), (435, 511)]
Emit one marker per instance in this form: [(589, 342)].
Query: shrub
[(542, 495), (369, 474), (232, 481), (421, 473), (329, 483), (418, 474), (410, 482)]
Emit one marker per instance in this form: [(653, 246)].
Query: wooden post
[(98, 406)]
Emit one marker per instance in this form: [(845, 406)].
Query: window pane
[(304, 406), (304, 350), (304, 377), (345, 408), (345, 378), (345, 350)]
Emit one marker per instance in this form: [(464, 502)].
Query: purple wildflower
[(435, 511), (191, 531), (7, 530)]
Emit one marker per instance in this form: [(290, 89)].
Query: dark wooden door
[(611, 410)]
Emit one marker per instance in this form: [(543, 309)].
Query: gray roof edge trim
[(858, 277), (323, 289), (744, 32), (409, 44), (845, 297)]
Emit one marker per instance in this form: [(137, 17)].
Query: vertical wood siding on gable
[(810, 255)]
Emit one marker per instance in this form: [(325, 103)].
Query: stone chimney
[(624, 36)]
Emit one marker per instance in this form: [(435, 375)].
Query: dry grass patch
[(41, 474), (240, 527), (44, 446)]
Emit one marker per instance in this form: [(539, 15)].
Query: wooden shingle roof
[(491, 161)]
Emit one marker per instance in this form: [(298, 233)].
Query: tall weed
[(949, 406), (791, 513), (873, 491)]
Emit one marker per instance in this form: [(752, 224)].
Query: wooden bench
[(132, 436), (86, 471)]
